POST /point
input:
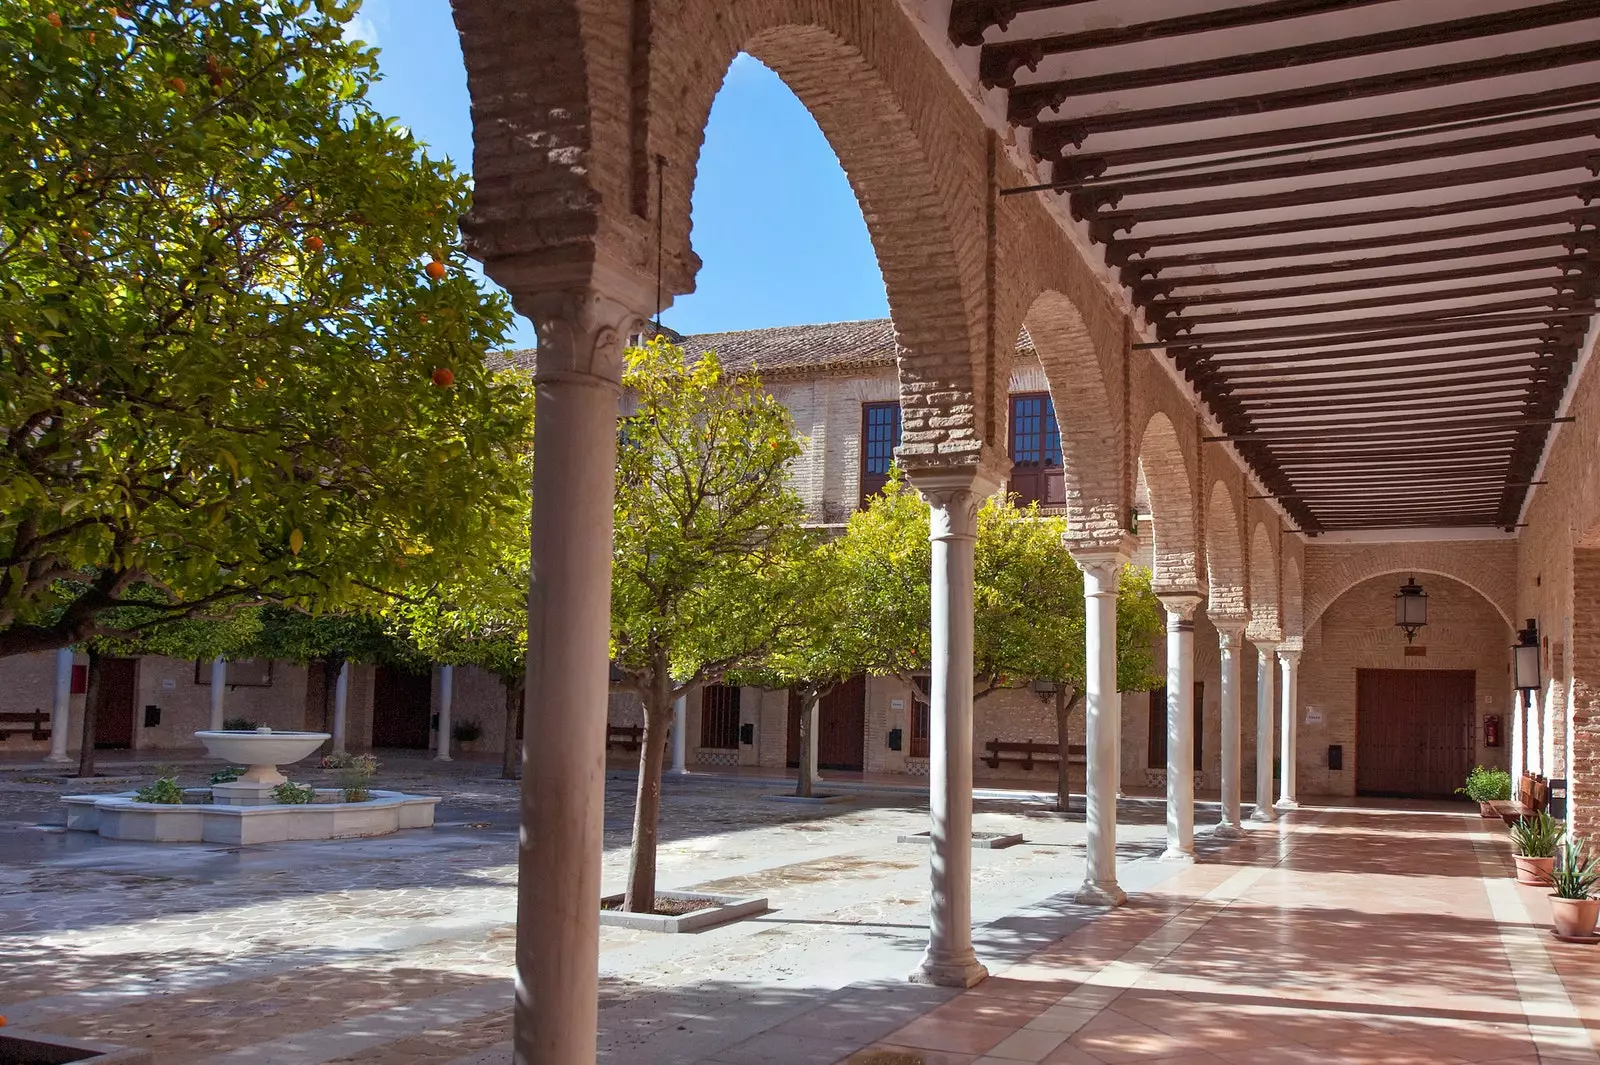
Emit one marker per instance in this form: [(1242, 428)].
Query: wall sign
[(1313, 716)]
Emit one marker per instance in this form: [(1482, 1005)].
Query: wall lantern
[(1410, 608), (1043, 688), (1525, 659)]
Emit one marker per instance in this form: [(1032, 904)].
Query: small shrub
[(228, 774), (1487, 785), (1573, 877), (240, 724), (291, 794), (165, 791), (465, 731), (337, 760), (355, 777), (1536, 836)]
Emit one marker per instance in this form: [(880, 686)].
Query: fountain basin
[(121, 816), (263, 750)]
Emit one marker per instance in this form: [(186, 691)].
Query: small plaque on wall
[(1416, 652), (1313, 716)]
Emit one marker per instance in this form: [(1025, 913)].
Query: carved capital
[(1230, 631), (1289, 656), (1265, 648), (954, 496), (1181, 604), (581, 332), (1102, 564)]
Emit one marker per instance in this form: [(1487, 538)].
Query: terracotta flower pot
[(1574, 917), (1533, 870)]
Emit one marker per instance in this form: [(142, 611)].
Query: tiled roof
[(782, 349)]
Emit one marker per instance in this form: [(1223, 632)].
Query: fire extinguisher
[(1491, 730)]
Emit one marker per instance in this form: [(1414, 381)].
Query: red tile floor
[(1336, 936)]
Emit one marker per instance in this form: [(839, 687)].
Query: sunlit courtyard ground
[(1337, 935)]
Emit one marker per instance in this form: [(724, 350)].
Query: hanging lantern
[(1525, 659), (1410, 608)]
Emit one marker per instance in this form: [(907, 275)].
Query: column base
[(951, 972), (1264, 814), (1286, 804), (677, 773), (1177, 855), (443, 758), (1228, 830), (1100, 894), (60, 759)]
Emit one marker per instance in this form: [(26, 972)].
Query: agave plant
[(1573, 876), (1536, 836)]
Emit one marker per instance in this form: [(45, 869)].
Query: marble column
[(341, 706), (1102, 726), (219, 692), (61, 707), (1180, 726), (447, 694), (680, 735), (1289, 730), (953, 499), (1265, 711), (577, 399), (1230, 643)]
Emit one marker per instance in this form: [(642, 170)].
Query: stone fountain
[(244, 810)]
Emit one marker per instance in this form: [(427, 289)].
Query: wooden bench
[(626, 737), (37, 722), (1533, 796), (1027, 753)]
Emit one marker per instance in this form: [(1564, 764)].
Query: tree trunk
[(641, 896), (91, 700), (1064, 707), (810, 698), (511, 749)]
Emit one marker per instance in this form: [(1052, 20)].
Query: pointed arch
[(1264, 614), (1171, 485)]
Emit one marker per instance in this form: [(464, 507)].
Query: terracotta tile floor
[(1336, 937)]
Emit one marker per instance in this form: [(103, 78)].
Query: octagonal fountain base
[(121, 816)]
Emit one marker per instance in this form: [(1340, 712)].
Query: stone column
[(1180, 726), (1289, 736), (219, 692), (953, 500), (61, 707), (680, 734), (341, 706), (447, 685), (1230, 642), (1102, 725), (578, 394), (1264, 714)]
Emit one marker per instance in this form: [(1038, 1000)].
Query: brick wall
[(1357, 632)]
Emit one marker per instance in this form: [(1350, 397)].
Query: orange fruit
[(313, 243), (435, 270), (114, 11), (443, 378), (54, 19), (179, 86)]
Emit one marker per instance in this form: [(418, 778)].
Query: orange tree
[(240, 357)]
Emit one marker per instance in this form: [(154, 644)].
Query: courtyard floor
[(1338, 935)]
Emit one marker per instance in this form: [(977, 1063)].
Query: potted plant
[(1534, 841), (1485, 786), (1572, 906)]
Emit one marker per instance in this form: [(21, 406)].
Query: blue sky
[(775, 223)]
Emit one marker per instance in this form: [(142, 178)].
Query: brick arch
[(1171, 484), (1293, 600), (1225, 575), (1263, 569), (1091, 447), (573, 107), (1487, 567)]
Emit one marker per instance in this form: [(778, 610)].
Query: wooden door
[(402, 709), (841, 728), (114, 712), (1156, 745), (1414, 731)]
